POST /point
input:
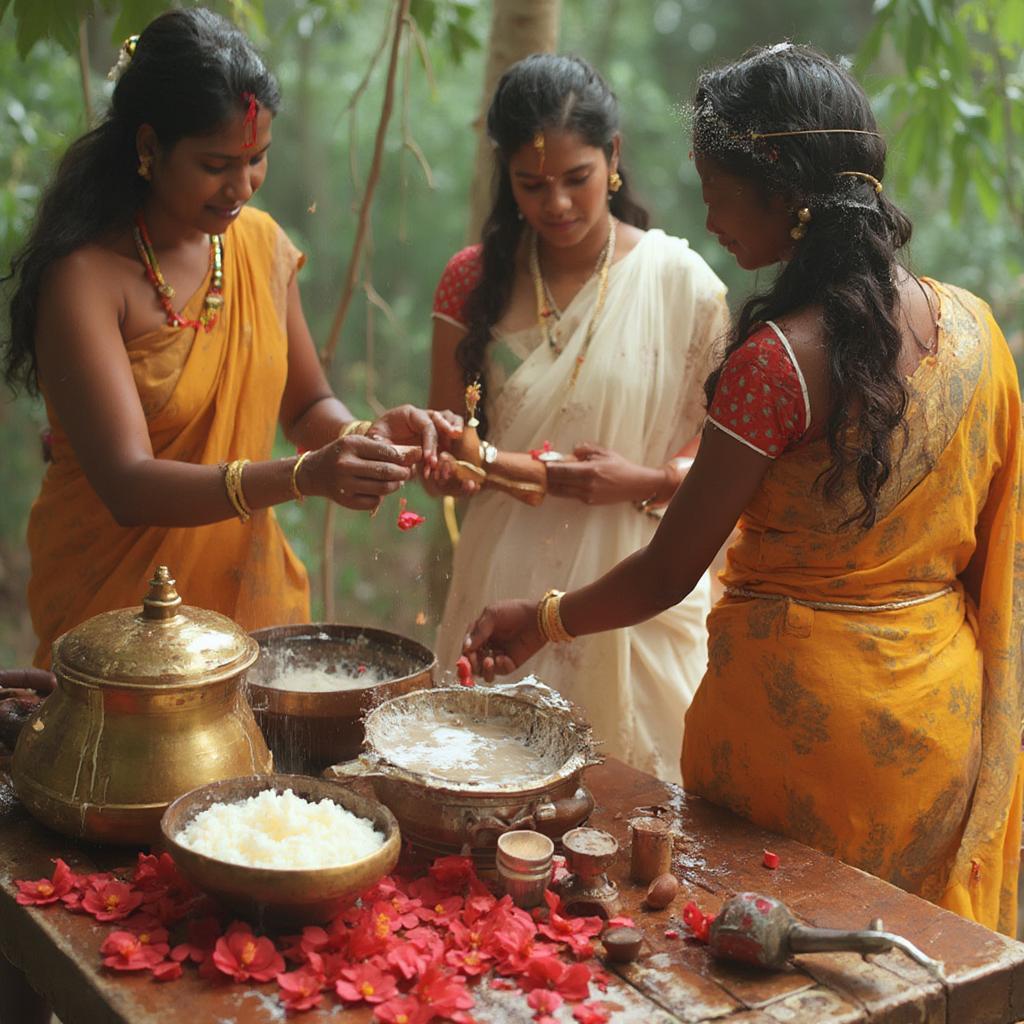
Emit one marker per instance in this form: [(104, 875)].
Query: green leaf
[(868, 52), (424, 13), (132, 17), (988, 195), (928, 11), (958, 186), (966, 109), (1009, 27), (461, 40), (54, 19)]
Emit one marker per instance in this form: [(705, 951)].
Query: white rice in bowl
[(281, 830)]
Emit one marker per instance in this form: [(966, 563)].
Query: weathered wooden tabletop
[(716, 855)]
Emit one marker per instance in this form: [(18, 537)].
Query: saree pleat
[(640, 394), (864, 686), (208, 397)]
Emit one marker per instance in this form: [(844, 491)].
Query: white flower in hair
[(124, 58)]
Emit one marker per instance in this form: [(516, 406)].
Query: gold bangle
[(542, 626), (562, 635), (355, 427), (233, 485), (299, 496), (549, 618)]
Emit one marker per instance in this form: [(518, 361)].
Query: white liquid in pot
[(318, 680), (446, 747)]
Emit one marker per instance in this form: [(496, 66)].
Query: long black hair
[(846, 261), (542, 92), (187, 77)]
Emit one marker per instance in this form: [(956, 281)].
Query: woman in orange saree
[(163, 414), (864, 687)]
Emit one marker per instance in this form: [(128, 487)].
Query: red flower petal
[(465, 671), (167, 970), (770, 860)]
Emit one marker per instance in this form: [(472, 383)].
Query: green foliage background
[(945, 90)]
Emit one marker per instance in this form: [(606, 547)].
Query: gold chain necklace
[(545, 311)]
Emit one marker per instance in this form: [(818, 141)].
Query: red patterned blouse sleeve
[(460, 277), (761, 397)]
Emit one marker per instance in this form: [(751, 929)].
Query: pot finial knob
[(162, 601)]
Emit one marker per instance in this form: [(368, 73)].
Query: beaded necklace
[(214, 299), (547, 311)]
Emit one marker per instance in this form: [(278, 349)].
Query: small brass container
[(148, 706)]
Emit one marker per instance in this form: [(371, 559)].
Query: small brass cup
[(524, 866)]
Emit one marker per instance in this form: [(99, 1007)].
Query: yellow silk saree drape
[(208, 397), (864, 690)]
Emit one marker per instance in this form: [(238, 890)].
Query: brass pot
[(148, 706), (439, 815), (308, 731)]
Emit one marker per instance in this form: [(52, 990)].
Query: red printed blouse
[(761, 397)]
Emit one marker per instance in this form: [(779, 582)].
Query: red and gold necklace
[(214, 299)]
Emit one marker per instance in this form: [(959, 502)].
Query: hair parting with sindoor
[(542, 93), (187, 77), (845, 263)]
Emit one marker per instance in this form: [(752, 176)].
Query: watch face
[(551, 457)]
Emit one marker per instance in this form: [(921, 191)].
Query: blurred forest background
[(947, 78)]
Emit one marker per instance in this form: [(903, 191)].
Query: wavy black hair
[(846, 261), (186, 78), (542, 92)]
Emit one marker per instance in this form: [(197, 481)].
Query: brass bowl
[(308, 731), (278, 895)]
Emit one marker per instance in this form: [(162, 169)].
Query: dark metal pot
[(307, 731)]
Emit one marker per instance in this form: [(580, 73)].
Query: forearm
[(638, 588), (159, 492), (319, 424)]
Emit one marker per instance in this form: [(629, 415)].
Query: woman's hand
[(428, 428), (602, 477), (357, 471), (447, 481), (21, 693), (503, 637)]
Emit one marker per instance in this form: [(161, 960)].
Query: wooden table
[(716, 855)]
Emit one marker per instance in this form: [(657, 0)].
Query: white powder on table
[(281, 830)]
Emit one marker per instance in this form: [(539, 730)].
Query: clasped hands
[(359, 470), (593, 475)]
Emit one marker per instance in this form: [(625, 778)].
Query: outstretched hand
[(428, 428), (600, 476), (356, 471), (503, 637)]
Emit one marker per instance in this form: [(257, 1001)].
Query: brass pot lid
[(165, 643)]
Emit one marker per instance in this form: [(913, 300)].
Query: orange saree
[(864, 687), (208, 398)]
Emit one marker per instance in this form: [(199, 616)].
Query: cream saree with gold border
[(640, 393)]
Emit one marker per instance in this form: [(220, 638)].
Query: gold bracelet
[(233, 485), (562, 635), (542, 626), (549, 618), (355, 427), (299, 496)]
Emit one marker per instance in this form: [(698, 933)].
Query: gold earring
[(614, 181), (145, 171), (803, 215)]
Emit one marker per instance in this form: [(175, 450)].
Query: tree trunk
[(518, 28)]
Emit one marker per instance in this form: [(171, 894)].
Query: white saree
[(639, 393)]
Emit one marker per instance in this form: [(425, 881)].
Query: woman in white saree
[(591, 336)]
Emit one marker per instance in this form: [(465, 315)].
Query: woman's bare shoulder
[(95, 265)]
